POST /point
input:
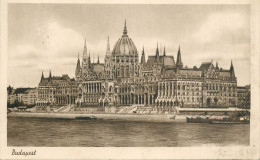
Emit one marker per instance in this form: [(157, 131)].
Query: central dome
[(125, 45)]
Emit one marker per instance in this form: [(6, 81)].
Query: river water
[(100, 133)]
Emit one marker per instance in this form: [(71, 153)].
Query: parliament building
[(124, 80)]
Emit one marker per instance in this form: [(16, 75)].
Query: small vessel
[(232, 120), (86, 118), (198, 119), (240, 118)]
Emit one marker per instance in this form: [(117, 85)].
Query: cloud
[(220, 26), (55, 47)]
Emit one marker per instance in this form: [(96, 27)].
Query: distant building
[(243, 94), (11, 98), (25, 96)]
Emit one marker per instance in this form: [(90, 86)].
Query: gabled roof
[(22, 90), (205, 65), (166, 60)]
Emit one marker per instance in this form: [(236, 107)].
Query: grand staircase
[(129, 109), (144, 110)]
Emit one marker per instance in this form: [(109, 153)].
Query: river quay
[(107, 116)]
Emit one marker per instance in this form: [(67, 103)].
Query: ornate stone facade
[(157, 82)]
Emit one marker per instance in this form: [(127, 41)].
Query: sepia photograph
[(128, 75)]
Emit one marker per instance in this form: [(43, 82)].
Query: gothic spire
[(77, 67), (108, 46), (85, 53), (217, 65), (50, 76), (89, 60), (179, 62), (232, 70), (143, 57), (125, 29), (164, 54), (98, 59), (174, 64), (85, 46), (157, 54), (42, 76)]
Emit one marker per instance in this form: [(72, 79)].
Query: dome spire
[(125, 29)]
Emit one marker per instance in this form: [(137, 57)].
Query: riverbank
[(108, 116)]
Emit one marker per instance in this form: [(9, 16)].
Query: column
[(165, 91), (160, 89), (172, 90), (145, 98)]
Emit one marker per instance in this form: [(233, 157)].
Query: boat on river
[(232, 120), (240, 118), (198, 119)]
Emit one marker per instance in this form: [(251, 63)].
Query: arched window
[(110, 89)]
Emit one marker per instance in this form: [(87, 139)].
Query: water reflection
[(79, 133)]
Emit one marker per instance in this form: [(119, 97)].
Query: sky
[(44, 37)]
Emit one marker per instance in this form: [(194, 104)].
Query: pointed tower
[(143, 58), (217, 66), (164, 54), (42, 77), (85, 57), (179, 63), (108, 47), (89, 59), (98, 59), (50, 76), (232, 70), (78, 67), (157, 56), (174, 64), (85, 53)]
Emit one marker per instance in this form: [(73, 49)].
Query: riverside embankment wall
[(126, 117)]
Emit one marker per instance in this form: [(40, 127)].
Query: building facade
[(56, 90), (159, 82)]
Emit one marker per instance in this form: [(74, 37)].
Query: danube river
[(100, 133)]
